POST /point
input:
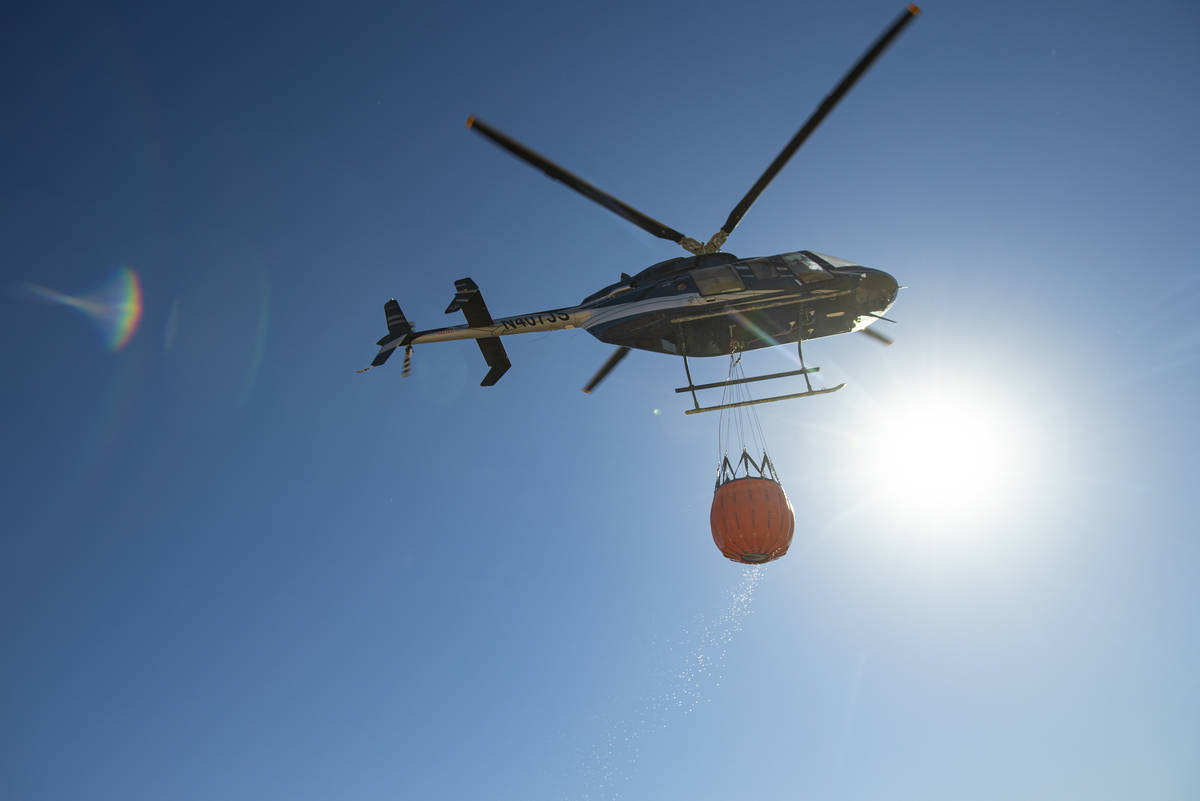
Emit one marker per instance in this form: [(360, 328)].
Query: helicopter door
[(717, 280)]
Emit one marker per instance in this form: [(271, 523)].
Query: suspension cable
[(743, 421)]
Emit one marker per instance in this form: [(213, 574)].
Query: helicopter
[(710, 303)]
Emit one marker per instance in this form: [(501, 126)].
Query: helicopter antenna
[(827, 105)]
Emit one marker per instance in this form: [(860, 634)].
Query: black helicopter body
[(712, 304), (708, 304)]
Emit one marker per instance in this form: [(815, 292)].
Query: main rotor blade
[(643, 221), (884, 339), (827, 105), (613, 361)]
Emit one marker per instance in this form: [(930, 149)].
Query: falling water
[(610, 761)]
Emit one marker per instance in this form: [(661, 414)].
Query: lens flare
[(115, 307), (750, 326)]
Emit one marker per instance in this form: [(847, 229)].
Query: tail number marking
[(533, 320)]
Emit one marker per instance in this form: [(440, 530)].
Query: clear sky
[(231, 568)]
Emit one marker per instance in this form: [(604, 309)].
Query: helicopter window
[(805, 269), (715, 280), (833, 261), (764, 269)]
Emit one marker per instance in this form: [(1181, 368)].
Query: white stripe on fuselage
[(583, 317), (612, 314), (607, 316)]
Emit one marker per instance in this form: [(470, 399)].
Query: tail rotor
[(400, 332)]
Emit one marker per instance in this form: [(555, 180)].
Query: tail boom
[(553, 320), (480, 327)]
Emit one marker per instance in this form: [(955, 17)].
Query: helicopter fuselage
[(712, 304)]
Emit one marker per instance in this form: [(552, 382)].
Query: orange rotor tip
[(914, 9), (470, 121)]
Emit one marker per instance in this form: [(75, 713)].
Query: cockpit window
[(805, 268), (715, 280), (764, 268), (834, 261)]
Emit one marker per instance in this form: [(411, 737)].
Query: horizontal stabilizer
[(468, 299), (496, 358)]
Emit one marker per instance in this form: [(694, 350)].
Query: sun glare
[(944, 457)]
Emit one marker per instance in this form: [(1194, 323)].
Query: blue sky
[(234, 569)]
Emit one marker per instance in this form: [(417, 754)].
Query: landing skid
[(692, 387)]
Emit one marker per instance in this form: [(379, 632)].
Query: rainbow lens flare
[(115, 307)]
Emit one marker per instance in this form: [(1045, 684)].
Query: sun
[(943, 455)]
